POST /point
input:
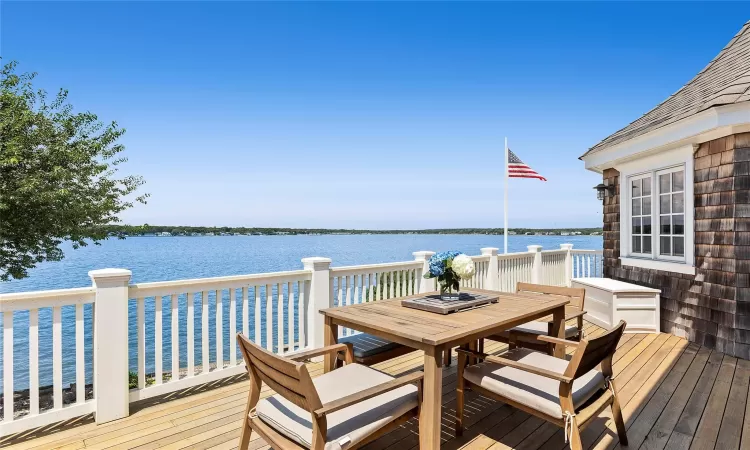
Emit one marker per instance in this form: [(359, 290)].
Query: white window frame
[(657, 214), (629, 207), (672, 160)]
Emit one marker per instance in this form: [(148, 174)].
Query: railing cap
[(423, 255), (316, 263), (491, 251), (110, 276), (566, 246), (534, 248)]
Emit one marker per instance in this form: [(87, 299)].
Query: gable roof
[(725, 80)]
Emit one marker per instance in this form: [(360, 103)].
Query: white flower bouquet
[(450, 268)]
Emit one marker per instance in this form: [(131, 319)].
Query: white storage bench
[(609, 301)]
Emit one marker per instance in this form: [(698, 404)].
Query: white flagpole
[(505, 233)]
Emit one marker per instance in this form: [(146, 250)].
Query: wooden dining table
[(436, 333)]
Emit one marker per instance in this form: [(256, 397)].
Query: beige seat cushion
[(346, 426), (540, 328), (535, 391)]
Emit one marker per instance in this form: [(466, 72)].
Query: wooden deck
[(675, 395)]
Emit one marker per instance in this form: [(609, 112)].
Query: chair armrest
[(518, 365), (571, 316), (320, 351), (556, 340), (374, 391), (528, 368)]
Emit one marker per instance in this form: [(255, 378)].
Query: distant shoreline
[(166, 230)]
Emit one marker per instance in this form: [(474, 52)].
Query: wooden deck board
[(675, 395)]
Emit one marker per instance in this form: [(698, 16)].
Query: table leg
[(429, 413), (558, 330), (330, 336), (473, 346)]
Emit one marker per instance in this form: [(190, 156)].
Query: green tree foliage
[(58, 175)]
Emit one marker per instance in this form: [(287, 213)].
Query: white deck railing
[(177, 334), (360, 284), (514, 268), (223, 305), (60, 310), (587, 263)]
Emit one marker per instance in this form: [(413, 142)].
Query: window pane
[(664, 204), (646, 186), (678, 181), (664, 183), (678, 203), (636, 211), (646, 244), (646, 225), (636, 225), (636, 244), (646, 209), (665, 225), (636, 188), (678, 246), (664, 247), (678, 224)]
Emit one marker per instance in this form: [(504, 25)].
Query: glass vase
[(447, 293)]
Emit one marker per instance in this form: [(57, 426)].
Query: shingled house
[(677, 202)]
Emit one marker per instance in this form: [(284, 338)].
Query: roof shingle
[(725, 80)]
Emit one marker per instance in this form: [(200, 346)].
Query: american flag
[(519, 169)]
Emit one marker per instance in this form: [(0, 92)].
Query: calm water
[(173, 258)]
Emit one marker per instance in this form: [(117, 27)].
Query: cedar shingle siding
[(711, 308)]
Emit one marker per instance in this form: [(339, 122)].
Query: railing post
[(568, 263), (111, 343), (320, 298), (493, 269), (536, 267), (423, 256)]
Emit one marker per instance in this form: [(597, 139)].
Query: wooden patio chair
[(345, 408), (567, 393), (528, 332)]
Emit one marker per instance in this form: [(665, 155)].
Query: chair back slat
[(576, 296), (595, 351), (287, 378)]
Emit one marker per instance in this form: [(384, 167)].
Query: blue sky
[(364, 115)]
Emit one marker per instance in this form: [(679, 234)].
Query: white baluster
[(258, 313), (357, 279), (158, 347), (245, 312), (340, 290), (8, 366), (175, 338), (141, 337), (302, 288), (290, 315), (280, 318), (269, 318), (219, 329), (33, 361), (204, 333), (57, 357), (349, 281), (190, 334), (80, 363), (232, 327)]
